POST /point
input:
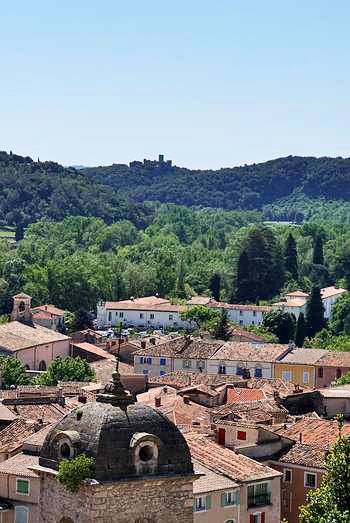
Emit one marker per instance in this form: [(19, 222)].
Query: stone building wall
[(158, 500)]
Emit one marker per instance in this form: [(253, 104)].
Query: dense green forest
[(290, 188), (32, 190)]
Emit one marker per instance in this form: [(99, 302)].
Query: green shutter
[(207, 502), (223, 500)]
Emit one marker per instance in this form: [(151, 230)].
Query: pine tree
[(215, 286), (291, 257), (314, 313), (243, 280), (318, 258), (222, 330), (300, 331)]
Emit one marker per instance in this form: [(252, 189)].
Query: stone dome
[(124, 438)]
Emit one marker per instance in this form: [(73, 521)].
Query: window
[(305, 377), (145, 371), (162, 373), (228, 499), (141, 360), (287, 375), (320, 372), (254, 313), (259, 495), (258, 372), (202, 503), (186, 364), (241, 435), (241, 322), (241, 313), (338, 373), (162, 361), (170, 317), (21, 514), (222, 368), (253, 322), (121, 315), (240, 369), (287, 475), (309, 480), (148, 361), (109, 316), (42, 365), (22, 486), (141, 315), (258, 517), (151, 316)]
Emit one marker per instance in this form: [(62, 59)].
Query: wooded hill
[(250, 187), (32, 190)]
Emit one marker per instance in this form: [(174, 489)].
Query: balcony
[(259, 500)]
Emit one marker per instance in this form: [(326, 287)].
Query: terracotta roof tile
[(210, 481), (220, 305), (224, 461), (304, 356), (13, 436), (239, 394), (182, 347), (314, 431), (180, 379), (94, 349), (51, 309), (328, 292), (261, 411), (305, 455), (334, 359), (16, 336), (149, 303), (19, 465), (245, 351)]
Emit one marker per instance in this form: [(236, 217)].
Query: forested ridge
[(30, 191), (250, 187)]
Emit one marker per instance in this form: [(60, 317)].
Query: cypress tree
[(222, 330), (180, 285), (314, 313), (215, 286), (318, 258), (300, 331), (291, 257), (243, 279)]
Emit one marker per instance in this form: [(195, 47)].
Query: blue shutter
[(208, 502), (223, 500), (238, 497)]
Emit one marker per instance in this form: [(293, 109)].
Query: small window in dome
[(146, 453), (65, 451)]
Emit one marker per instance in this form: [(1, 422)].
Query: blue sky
[(209, 84)]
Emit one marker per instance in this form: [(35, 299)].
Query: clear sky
[(208, 83)]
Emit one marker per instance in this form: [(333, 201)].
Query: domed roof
[(125, 439)]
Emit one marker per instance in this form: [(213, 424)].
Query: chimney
[(82, 398), (165, 390), (195, 423), (143, 344), (186, 400), (158, 401), (46, 307), (132, 298), (152, 341), (300, 437), (61, 400)]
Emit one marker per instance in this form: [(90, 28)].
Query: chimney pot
[(165, 390), (143, 344), (300, 437), (158, 402), (186, 400), (152, 341)]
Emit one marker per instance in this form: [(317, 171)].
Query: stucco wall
[(231, 367), (296, 373), (8, 491), (217, 513), (48, 352)]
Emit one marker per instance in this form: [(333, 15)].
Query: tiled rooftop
[(241, 351), (305, 455), (328, 292), (16, 336), (51, 309), (182, 347), (241, 394), (261, 411), (19, 465), (311, 431), (180, 379), (240, 307), (94, 349), (210, 481), (199, 300), (149, 303), (304, 356), (334, 359), (221, 460), (13, 436)]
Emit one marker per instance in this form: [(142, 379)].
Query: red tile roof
[(149, 303), (19, 465), (319, 432), (305, 456), (51, 309), (245, 351), (93, 349), (180, 379), (220, 305), (239, 394), (224, 461), (13, 436)]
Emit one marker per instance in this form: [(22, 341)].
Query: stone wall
[(158, 500)]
